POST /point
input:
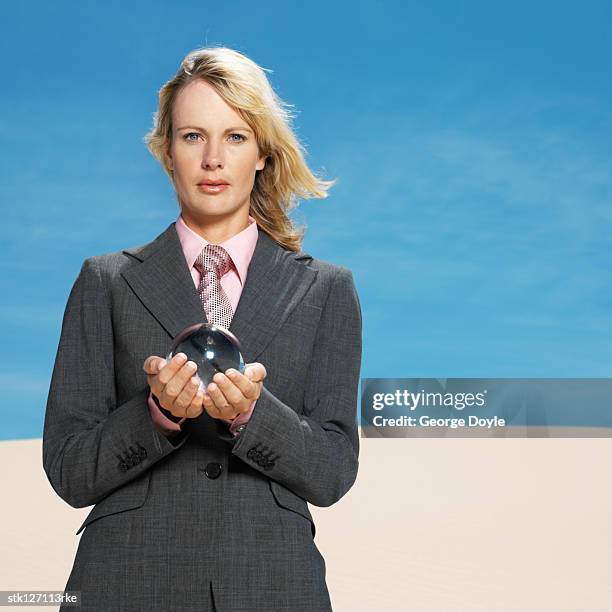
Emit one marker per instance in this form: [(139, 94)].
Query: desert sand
[(451, 525)]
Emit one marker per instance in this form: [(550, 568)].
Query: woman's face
[(210, 141)]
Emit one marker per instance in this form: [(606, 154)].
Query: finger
[(247, 387), (210, 407), (184, 399), (232, 393), (153, 364), (255, 371), (213, 410), (196, 408), (176, 384), (171, 368), (219, 400)]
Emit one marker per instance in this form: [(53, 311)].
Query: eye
[(243, 138), (186, 136)]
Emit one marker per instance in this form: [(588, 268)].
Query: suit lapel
[(276, 282)]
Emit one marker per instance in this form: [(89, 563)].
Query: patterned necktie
[(212, 263)]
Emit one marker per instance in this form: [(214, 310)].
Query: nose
[(213, 157)]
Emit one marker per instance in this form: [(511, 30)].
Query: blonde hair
[(244, 85)]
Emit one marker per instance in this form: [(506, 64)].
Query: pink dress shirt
[(240, 248)]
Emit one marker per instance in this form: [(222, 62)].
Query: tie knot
[(213, 258)]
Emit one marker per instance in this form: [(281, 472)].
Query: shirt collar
[(240, 246)]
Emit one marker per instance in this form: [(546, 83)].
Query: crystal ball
[(211, 347)]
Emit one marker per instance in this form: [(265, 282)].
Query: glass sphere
[(211, 347)]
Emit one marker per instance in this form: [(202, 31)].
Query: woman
[(201, 496)]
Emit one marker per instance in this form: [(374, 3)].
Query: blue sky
[(471, 142)]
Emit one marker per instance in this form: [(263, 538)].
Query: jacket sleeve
[(91, 446), (315, 454)]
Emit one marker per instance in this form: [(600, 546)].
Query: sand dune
[(448, 525)]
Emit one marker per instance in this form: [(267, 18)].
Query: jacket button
[(212, 470)]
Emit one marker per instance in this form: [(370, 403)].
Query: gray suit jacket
[(175, 518)]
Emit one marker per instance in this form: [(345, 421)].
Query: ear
[(261, 162), (168, 158)]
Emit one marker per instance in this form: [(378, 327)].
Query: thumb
[(255, 372), (153, 364)]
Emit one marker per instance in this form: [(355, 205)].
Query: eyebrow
[(231, 129)]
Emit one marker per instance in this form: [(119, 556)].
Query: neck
[(218, 229)]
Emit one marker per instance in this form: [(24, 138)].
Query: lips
[(212, 187), (213, 183)]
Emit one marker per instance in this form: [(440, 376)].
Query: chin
[(210, 210)]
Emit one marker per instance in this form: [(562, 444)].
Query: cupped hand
[(232, 393), (175, 384)]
